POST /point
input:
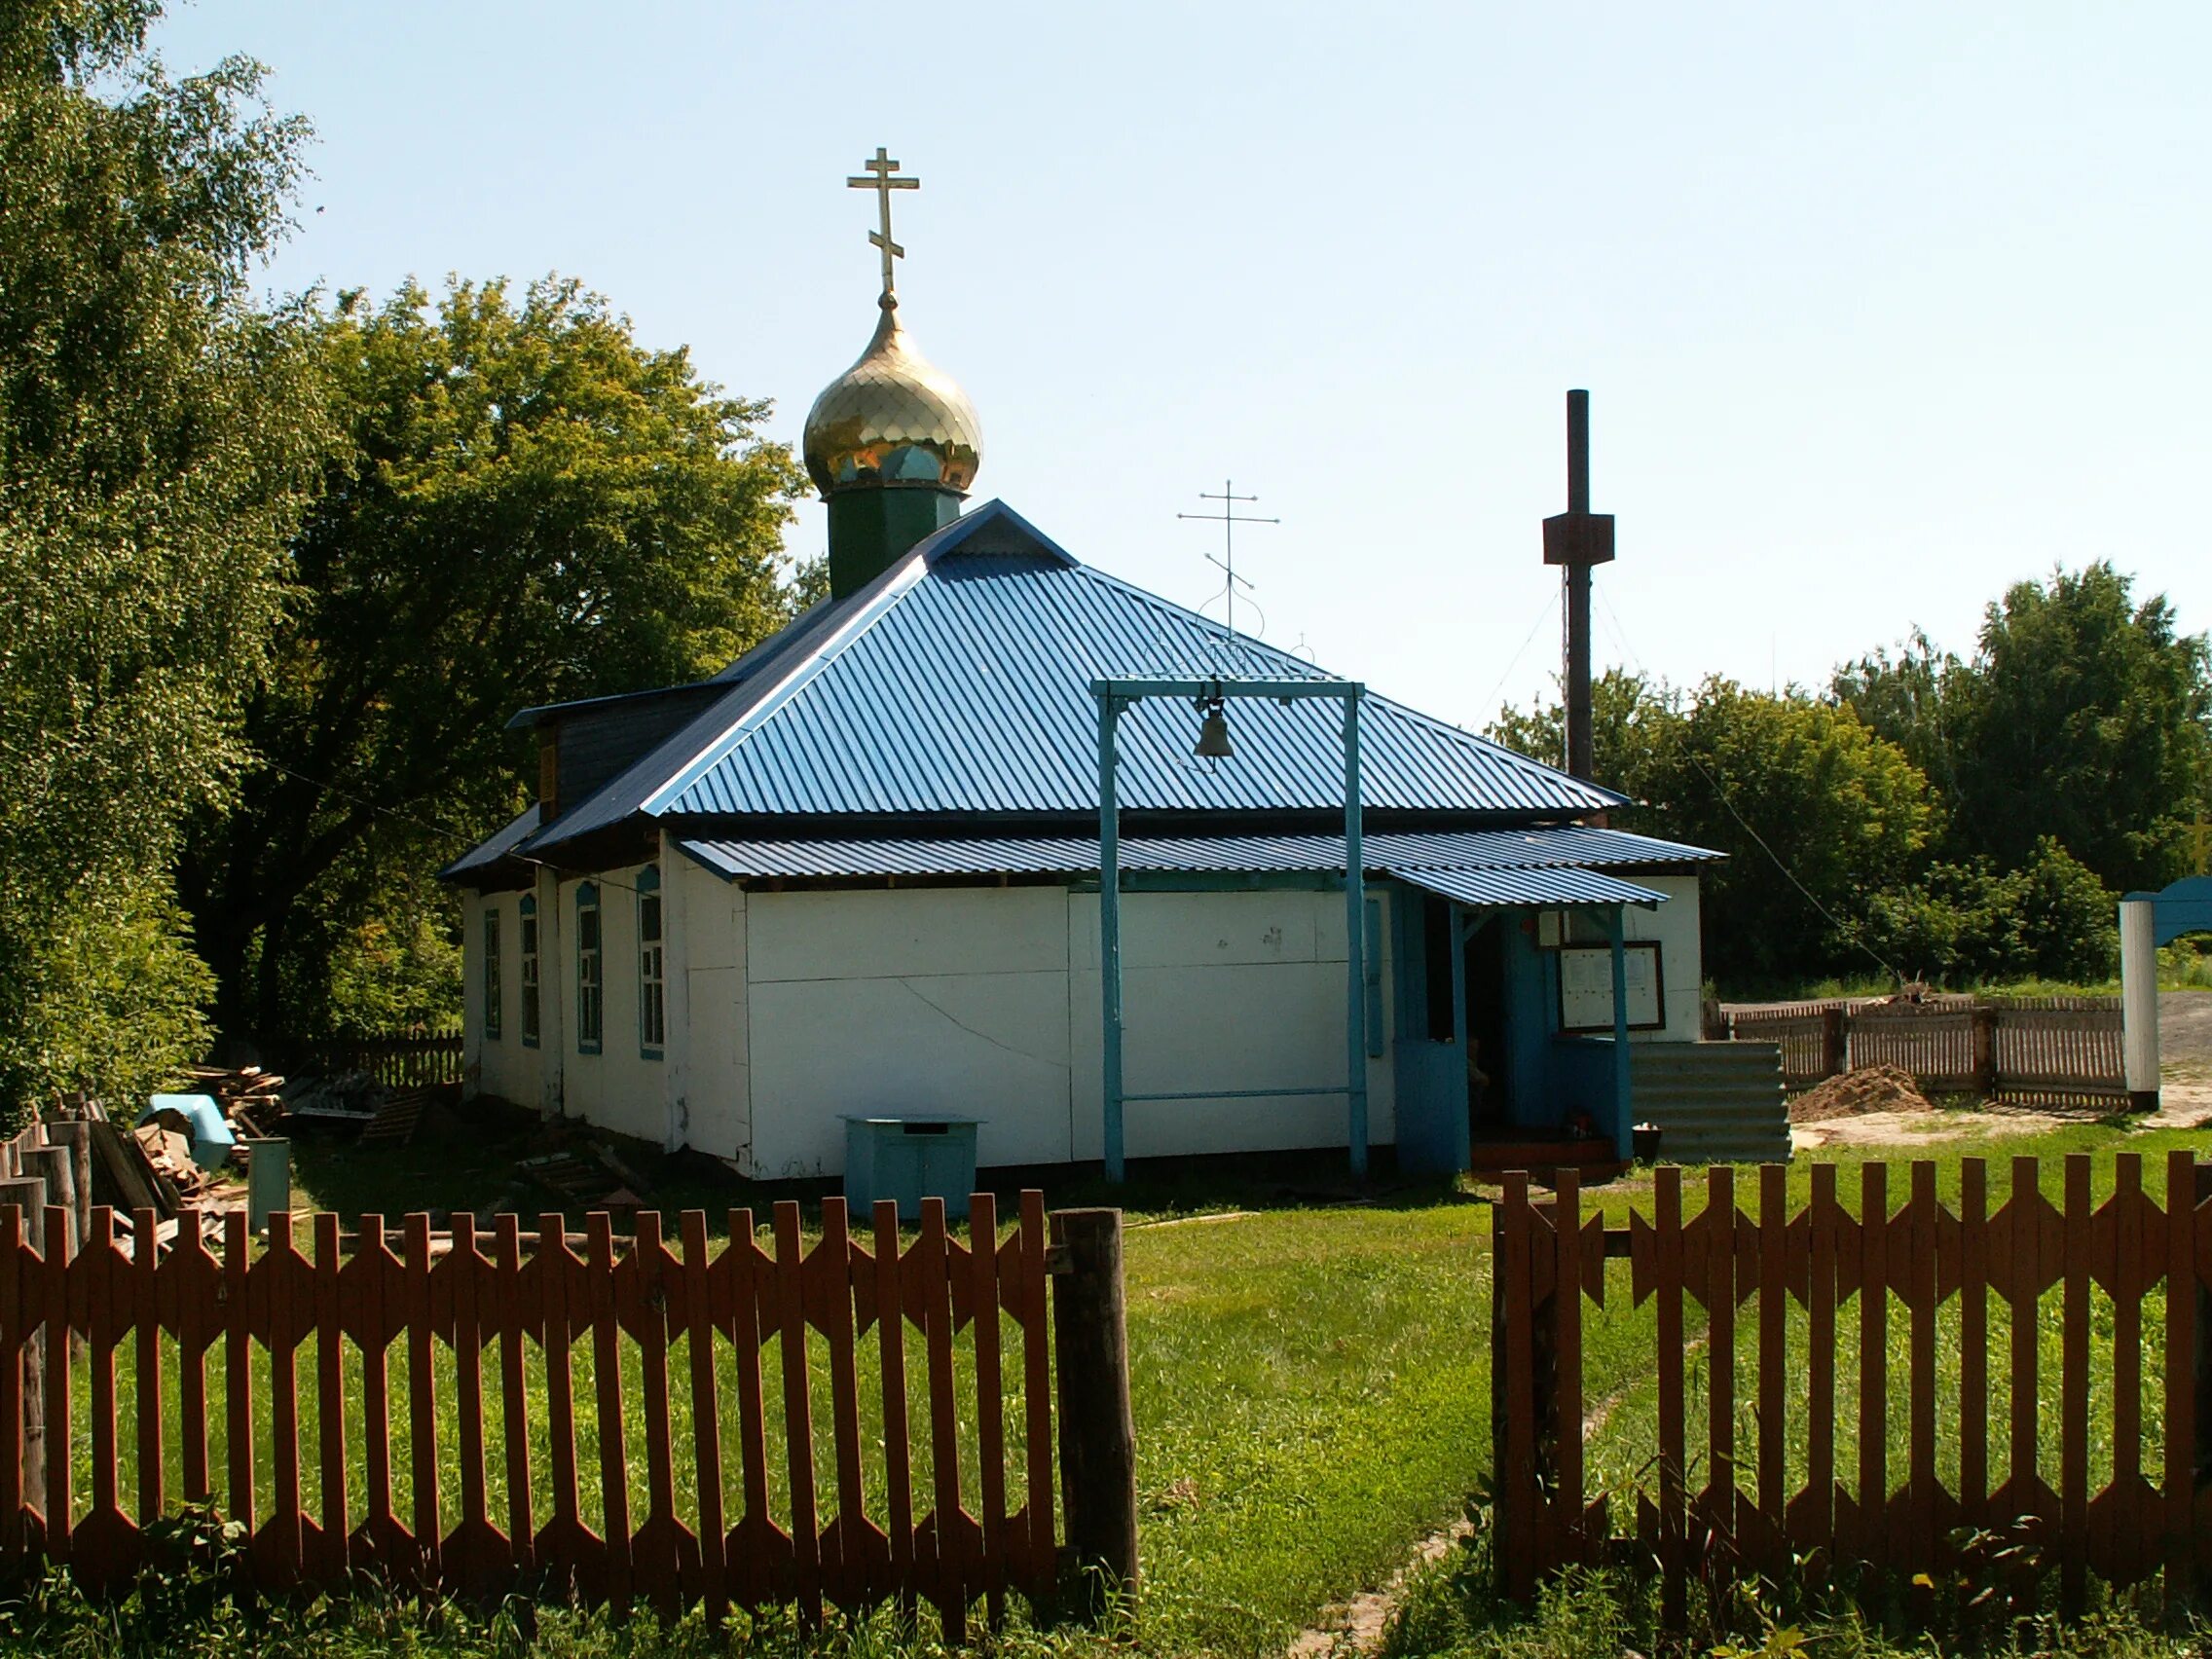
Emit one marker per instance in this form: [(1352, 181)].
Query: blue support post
[(1110, 926), (1624, 1118), (1355, 938)]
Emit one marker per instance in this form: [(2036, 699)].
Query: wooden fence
[(1870, 1441), (399, 1062), (2030, 1051), (497, 1453)]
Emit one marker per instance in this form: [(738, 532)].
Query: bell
[(1213, 738)]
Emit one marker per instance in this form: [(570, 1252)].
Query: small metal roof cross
[(883, 179), (1229, 518)]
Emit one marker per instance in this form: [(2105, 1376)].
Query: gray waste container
[(910, 1158)]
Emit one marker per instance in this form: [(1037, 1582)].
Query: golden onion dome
[(893, 420)]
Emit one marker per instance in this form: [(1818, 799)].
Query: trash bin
[(910, 1159)]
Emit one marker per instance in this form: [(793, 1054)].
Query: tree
[(530, 506), (157, 439), (2086, 717)]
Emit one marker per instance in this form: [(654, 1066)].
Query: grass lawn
[(1311, 1376)]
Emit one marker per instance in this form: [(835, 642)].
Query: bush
[(1972, 923)]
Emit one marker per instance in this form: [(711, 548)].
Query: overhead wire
[(1850, 931)]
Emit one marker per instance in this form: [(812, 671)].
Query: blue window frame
[(528, 940), (492, 988), (652, 985), (590, 981)]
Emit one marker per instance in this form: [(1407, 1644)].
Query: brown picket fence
[(417, 1403), (2028, 1050), (417, 1060), (1896, 1369)]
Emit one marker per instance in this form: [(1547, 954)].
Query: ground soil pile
[(1854, 1093)]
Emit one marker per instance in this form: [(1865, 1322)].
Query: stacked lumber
[(249, 1087), (165, 1139), (397, 1120)]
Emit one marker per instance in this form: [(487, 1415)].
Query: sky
[(1881, 307)]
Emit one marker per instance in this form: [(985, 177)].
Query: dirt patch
[(1856, 1093)]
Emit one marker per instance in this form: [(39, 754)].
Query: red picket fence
[(1809, 1298), (436, 1475)]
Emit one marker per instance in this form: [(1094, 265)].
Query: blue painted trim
[(587, 899), (648, 887), (1110, 931), (527, 912), (1624, 1117), (2183, 907), (494, 991)]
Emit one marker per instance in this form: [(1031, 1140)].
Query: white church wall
[(1681, 965), (1222, 991), (925, 1000), (629, 1091), (500, 1066), (473, 1036), (717, 1085)]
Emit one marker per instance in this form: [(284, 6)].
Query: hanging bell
[(1213, 736)]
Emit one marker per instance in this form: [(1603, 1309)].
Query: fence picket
[(2074, 1391), (1774, 1315), (1719, 1508), (1673, 1473), (1870, 1532), (475, 1290), (1974, 1342)]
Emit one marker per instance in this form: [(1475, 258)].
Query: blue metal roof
[(1529, 887), (958, 682), (1555, 851)]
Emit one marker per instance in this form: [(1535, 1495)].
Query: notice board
[(1586, 987)]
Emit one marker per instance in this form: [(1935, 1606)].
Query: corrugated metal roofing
[(493, 848), (958, 682), (1529, 887), (1557, 849)]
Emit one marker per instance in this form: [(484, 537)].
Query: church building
[(859, 871)]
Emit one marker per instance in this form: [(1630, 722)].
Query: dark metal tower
[(1575, 540)]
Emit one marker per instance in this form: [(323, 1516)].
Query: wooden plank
[(13, 1337), (381, 1529), (93, 1276), (1566, 1364), (1516, 1316), (854, 1556), (330, 1555), (2074, 1391), (1670, 1358), (607, 1379), (414, 1314), (663, 1545), (145, 1267), (468, 1559), (564, 1542), (1921, 1280), (798, 1416), (891, 1354), (237, 1371), (2025, 1272), (2182, 1223), (1719, 1504), (1037, 1392), (990, 1400), (285, 1554), (1872, 1513), (1816, 1528), (753, 1574), (949, 1584), (1774, 1362), (1974, 1342), (507, 1298), (2125, 1528), (705, 1415)]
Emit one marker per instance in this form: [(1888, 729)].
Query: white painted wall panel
[(1675, 925), (993, 1046), (893, 933)]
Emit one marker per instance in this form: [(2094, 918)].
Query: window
[(591, 988), (492, 973), (529, 972), (653, 988)]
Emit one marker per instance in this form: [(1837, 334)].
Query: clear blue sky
[(1882, 307)]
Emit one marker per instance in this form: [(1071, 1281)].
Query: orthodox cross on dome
[(883, 179), (1229, 518)]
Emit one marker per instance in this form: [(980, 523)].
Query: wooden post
[(1099, 1442), (1985, 1021), (56, 1166), (2201, 1196), (27, 1194), (77, 1137), (1835, 1051)]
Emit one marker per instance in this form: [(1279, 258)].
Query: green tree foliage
[(2049, 919), (157, 436), (530, 506)]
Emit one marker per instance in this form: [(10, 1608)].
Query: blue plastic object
[(211, 1135), (910, 1159)]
